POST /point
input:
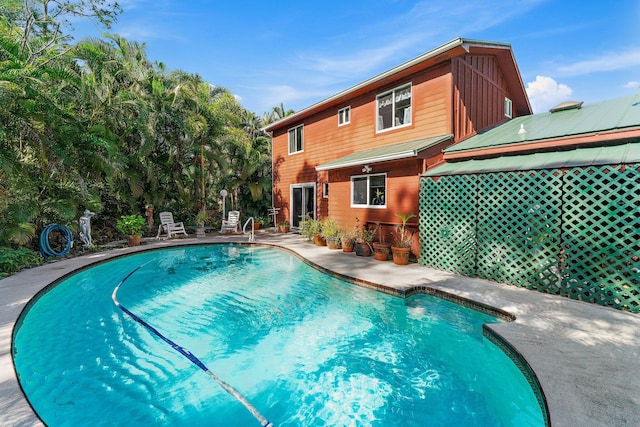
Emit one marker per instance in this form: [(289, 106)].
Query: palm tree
[(276, 113)]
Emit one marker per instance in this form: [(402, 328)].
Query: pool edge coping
[(568, 406)]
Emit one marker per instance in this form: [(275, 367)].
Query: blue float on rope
[(186, 353), (45, 248)]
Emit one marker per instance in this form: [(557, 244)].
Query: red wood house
[(361, 152)]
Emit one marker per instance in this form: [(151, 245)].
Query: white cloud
[(608, 62), (545, 92), (632, 85)]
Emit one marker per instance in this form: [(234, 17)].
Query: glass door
[(303, 201)]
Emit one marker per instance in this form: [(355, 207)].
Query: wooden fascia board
[(511, 72), (443, 53), (362, 90), (547, 144)]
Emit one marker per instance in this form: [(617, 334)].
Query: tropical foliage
[(98, 125)]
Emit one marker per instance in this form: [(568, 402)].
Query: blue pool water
[(304, 348)]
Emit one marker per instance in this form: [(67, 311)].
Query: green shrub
[(132, 225), (13, 260)]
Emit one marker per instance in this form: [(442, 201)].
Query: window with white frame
[(325, 190), (508, 107), (296, 143), (344, 116), (369, 191), (394, 108)]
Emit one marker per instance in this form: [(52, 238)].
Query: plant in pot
[(131, 226), (381, 249), (259, 221), (284, 226), (202, 217), (331, 233), (403, 239), (364, 238), (348, 240), (310, 228)]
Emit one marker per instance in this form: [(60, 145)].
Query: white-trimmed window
[(344, 116), (325, 190), (296, 139), (369, 191), (508, 108), (394, 108)]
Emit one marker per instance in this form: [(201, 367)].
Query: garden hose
[(45, 247)]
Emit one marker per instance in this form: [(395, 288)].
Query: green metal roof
[(615, 114), (609, 155), (382, 154)]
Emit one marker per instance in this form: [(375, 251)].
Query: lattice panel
[(602, 236), (447, 223), (519, 228)]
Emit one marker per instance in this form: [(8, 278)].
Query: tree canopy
[(98, 125)]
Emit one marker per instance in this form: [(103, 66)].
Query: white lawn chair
[(231, 224), (169, 227)]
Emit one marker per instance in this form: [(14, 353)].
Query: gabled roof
[(404, 150), (598, 123), (454, 48)]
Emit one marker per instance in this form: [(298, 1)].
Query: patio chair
[(169, 227), (232, 223)]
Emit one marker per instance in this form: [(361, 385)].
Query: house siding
[(478, 94), (461, 96)]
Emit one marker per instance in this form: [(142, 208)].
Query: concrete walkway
[(586, 357)]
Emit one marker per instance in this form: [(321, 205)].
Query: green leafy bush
[(13, 260), (132, 225)]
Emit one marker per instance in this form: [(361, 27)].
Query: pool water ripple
[(306, 349)]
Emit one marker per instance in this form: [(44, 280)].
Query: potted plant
[(403, 239), (331, 233), (131, 226), (381, 249), (284, 226), (364, 238), (348, 240), (259, 221), (310, 228), (201, 219)]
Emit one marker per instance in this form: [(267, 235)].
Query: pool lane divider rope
[(186, 353)]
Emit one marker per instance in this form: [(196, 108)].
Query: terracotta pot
[(400, 255), (133, 240), (381, 251), (348, 244), (363, 249), (319, 240), (284, 228), (333, 242), (256, 225)]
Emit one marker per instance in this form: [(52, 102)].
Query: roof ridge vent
[(567, 105)]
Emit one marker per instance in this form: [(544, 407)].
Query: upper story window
[(296, 140), (508, 108), (369, 191), (394, 108), (344, 116)]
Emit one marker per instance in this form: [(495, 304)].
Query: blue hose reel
[(45, 247)]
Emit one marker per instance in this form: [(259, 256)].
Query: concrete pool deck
[(585, 357)]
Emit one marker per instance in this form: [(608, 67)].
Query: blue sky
[(300, 52)]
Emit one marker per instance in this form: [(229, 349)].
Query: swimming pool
[(303, 347)]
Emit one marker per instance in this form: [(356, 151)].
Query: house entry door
[(303, 202)]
